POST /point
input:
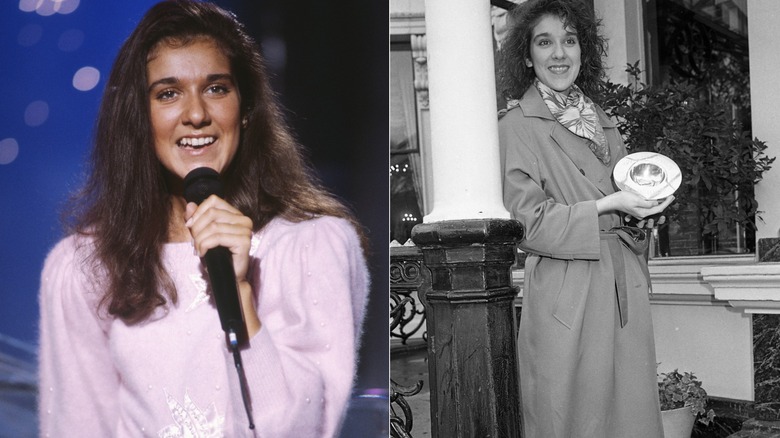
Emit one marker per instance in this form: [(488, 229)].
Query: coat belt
[(634, 239)]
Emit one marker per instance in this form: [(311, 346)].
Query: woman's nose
[(195, 112), (558, 52)]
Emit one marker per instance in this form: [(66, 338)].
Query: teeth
[(196, 142)]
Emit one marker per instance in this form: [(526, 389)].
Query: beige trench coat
[(581, 373)]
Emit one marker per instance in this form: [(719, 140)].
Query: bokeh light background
[(329, 61)]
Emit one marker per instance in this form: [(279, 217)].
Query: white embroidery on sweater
[(202, 296), (192, 422)]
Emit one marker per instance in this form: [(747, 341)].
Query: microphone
[(199, 184)]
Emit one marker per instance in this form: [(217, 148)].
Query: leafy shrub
[(694, 127)]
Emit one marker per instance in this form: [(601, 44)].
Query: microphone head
[(201, 183)]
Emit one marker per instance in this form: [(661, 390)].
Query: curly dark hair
[(125, 205), (515, 76)]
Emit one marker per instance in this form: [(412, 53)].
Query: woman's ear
[(528, 63)]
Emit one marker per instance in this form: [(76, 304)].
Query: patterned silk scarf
[(578, 114)]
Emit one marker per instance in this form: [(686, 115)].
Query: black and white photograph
[(584, 218)]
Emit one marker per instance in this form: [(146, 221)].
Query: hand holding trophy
[(650, 175)]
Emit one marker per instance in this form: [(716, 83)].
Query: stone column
[(472, 354), (467, 240), (462, 95)]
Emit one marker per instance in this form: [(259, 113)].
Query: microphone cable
[(233, 342)]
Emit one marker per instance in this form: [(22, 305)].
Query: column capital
[(467, 231)]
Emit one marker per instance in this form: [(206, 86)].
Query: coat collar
[(576, 148)]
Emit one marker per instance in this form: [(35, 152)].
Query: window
[(704, 45), (406, 200)]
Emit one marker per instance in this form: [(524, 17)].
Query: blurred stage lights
[(9, 150), (29, 35), (36, 113), (46, 8), (86, 78)]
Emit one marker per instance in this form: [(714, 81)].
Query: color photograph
[(195, 219)]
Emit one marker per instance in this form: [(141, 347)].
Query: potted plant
[(683, 401)]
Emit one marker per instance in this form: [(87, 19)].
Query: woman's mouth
[(195, 142), (559, 69)]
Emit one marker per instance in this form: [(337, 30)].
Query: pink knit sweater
[(172, 376)]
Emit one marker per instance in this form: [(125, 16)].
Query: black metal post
[(472, 355)]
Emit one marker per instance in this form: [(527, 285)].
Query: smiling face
[(555, 53), (194, 106)]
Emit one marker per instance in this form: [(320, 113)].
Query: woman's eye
[(217, 89), (166, 95)]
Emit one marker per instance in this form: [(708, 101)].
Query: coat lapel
[(575, 147)]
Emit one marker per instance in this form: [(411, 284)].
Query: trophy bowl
[(648, 174)]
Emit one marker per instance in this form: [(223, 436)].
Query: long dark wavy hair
[(125, 204), (515, 76)]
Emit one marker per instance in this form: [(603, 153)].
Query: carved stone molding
[(751, 288), (420, 57)]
